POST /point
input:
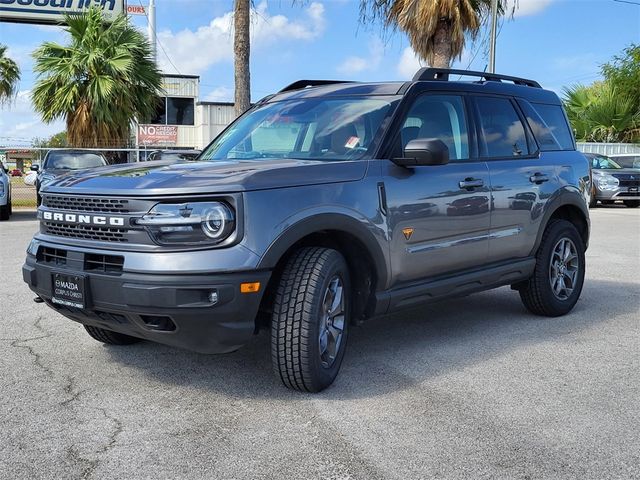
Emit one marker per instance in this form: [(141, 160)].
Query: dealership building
[(182, 121)]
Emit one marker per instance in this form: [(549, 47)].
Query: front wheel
[(632, 203), (310, 319), (556, 283)]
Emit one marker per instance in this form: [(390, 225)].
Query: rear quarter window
[(549, 125)]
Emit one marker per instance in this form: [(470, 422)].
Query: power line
[(627, 1), (158, 39)]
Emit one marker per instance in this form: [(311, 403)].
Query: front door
[(439, 216)]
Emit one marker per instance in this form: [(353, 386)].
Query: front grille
[(52, 256), (84, 232), (86, 204), (103, 263), (630, 183)]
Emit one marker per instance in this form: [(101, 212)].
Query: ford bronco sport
[(323, 205)]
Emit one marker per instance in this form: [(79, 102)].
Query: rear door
[(438, 215), (521, 178)]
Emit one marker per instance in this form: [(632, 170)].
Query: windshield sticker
[(352, 142)]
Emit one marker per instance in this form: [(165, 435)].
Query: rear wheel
[(632, 203), (109, 337), (310, 319), (557, 281)]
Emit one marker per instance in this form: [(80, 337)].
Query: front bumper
[(169, 308), (622, 193)]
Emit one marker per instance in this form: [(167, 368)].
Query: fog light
[(213, 297)]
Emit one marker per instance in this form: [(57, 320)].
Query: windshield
[(73, 160), (604, 163), (632, 161), (325, 129)]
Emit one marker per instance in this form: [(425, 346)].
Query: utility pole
[(494, 34), (152, 28)]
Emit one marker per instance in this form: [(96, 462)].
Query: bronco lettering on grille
[(81, 219)]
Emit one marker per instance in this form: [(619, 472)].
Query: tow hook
[(38, 300)]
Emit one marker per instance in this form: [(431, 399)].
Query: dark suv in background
[(61, 162), (323, 205)]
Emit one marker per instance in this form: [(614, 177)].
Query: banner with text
[(165, 135)]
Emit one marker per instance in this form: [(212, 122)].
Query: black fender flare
[(562, 198), (366, 233)]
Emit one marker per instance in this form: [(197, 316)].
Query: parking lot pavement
[(469, 388)]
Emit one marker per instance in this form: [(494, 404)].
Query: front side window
[(442, 117), (327, 129), (502, 130)]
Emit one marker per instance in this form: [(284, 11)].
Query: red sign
[(136, 10), (157, 134)]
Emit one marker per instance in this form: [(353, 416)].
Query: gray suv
[(324, 205)]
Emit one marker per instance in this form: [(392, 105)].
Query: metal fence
[(608, 148)]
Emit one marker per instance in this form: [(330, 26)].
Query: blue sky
[(557, 42)]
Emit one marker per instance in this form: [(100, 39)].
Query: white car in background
[(30, 178), (5, 194)]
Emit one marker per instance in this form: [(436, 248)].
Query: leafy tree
[(623, 72), (9, 76), (58, 140), (437, 29), (99, 83)]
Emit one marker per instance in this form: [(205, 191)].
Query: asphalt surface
[(469, 388)]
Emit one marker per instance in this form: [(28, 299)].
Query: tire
[(593, 201), (307, 343), (109, 337), (632, 203), (537, 293), (5, 212)]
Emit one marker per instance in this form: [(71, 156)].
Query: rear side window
[(502, 130), (549, 126)]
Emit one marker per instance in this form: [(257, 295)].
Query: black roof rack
[(300, 84), (429, 73)]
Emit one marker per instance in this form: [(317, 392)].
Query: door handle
[(538, 178), (471, 183)]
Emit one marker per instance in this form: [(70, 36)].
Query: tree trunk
[(241, 50), (442, 44)]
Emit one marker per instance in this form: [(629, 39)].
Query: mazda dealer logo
[(83, 219)]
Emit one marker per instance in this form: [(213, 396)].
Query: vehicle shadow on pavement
[(21, 216), (394, 352)]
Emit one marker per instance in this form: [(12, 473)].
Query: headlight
[(207, 223), (607, 182)]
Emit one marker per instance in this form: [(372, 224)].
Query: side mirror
[(424, 151), (35, 168)]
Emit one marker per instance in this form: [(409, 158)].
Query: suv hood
[(170, 178)]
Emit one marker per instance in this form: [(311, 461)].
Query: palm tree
[(99, 83), (599, 113), (9, 76), (242, 50), (437, 29)]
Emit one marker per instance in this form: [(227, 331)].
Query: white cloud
[(19, 124), (409, 64), (193, 51), (354, 64), (528, 7), (220, 94)]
